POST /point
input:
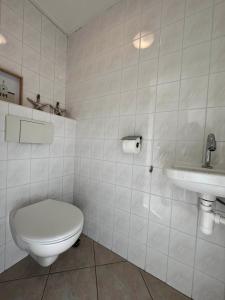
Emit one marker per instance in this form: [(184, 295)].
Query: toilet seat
[(44, 226)]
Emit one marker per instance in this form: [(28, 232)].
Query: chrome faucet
[(210, 146)]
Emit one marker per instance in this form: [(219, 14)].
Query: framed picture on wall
[(11, 87)]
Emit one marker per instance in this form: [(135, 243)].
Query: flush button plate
[(24, 130)]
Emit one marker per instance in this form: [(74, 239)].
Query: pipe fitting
[(208, 217)]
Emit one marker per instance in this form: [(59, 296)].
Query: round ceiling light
[(3, 40), (144, 42)]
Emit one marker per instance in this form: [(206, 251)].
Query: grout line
[(44, 287), (22, 278), (58, 272), (146, 284), (96, 279), (208, 83), (113, 263)]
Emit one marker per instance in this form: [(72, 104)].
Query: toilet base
[(76, 244), (44, 261)]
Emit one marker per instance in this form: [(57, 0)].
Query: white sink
[(200, 180)]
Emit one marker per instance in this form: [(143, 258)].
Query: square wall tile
[(4, 108), (123, 198), (216, 95), (2, 203), (12, 50), (18, 172), (171, 37), (146, 100), (198, 27), (158, 237), (207, 288), (141, 178), (137, 253), (210, 259), (39, 169), (128, 103), (184, 217), (169, 67), (120, 244), (189, 153), (160, 184), (2, 232), (182, 247), (167, 97), (129, 78), (147, 73), (3, 146), (193, 93), (180, 276), (138, 229), (160, 210), (122, 222), (140, 204), (156, 263), (191, 125), (144, 126), (219, 23), (217, 55), (151, 18), (17, 197), (19, 151), (173, 10), (163, 153), (215, 117), (194, 6), (13, 254), (165, 126), (11, 22), (124, 175), (38, 191), (32, 16), (195, 60), (32, 37), (55, 188)]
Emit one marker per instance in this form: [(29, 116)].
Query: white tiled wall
[(173, 94), (36, 49), (30, 173)]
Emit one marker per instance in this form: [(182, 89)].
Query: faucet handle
[(211, 142)]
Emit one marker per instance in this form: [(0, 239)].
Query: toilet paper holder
[(137, 138), (131, 138)]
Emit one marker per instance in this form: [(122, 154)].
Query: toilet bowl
[(46, 229)]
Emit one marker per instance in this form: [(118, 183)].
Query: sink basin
[(200, 180)]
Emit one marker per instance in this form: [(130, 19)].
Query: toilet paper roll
[(132, 146)]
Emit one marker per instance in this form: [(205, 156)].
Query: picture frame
[(11, 87)]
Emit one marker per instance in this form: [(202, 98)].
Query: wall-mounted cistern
[(210, 147)]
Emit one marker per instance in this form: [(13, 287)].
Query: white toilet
[(46, 229)]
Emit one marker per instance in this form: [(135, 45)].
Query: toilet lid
[(48, 221)]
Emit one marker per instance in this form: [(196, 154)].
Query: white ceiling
[(69, 15)]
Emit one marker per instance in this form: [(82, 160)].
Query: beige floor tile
[(23, 289), (105, 256), (75, 258), (160, 290), (71, 285), (25, 268), (121, 281)]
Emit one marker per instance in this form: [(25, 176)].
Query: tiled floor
[(87, 272)]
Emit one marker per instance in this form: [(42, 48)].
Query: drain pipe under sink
[(208, 217)]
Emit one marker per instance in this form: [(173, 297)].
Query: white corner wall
[(36, 49), (173, 94)]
